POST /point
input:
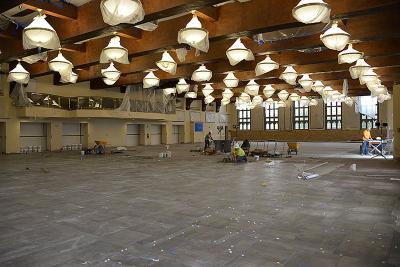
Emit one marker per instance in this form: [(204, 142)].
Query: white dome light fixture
[(252, 88), (327, 93), (266, 66), (304, 101), (202, 74), (335, 38), (169, 91), (194, 35), (350, 55), (115, 12), (312, 11), (283, 95), (208, 99), (182, 86), (318, 86), (368, 77), (257, 100), (238, 52), (114, 51), (244, 97), (60, 64), (40, 34), (227, 94), (269, 102), (207, 90), (19, 74), (150, 80), (109, 81), (294, 97), (231, 81), (73, 78), (289, 75), (111, 72), (306, 82), (313, 102), (268, 91), (281, 104), (357, 70), (191, 95), (225, 101), (167, 63)]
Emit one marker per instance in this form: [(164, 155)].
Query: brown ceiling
[(370, 23)]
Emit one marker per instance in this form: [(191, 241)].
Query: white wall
[(132, 134)]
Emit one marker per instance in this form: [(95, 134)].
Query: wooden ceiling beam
[(56, 8)]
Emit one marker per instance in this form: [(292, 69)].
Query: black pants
[(206, 144)]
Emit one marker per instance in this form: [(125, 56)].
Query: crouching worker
[(238, 154)]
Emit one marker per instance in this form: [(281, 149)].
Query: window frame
[(334, 116), (273, 117), (244, 119), (302, 119)]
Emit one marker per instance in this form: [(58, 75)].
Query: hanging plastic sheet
[(115, 12), (19, 96), (366, 105)]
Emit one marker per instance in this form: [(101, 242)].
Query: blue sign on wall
[(198, 127)]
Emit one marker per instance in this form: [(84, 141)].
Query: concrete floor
[(135, 209)]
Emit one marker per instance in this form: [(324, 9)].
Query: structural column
[(145, 134), (396, 121), (12, 132), (167, 133), (54, 135)]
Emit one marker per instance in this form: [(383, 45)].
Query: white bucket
[(257, 158)]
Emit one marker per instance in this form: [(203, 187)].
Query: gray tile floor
[(135, 209)]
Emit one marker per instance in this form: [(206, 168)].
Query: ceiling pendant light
[(150, 80), (167, 63), (111, 72), (281, 104), (208, 99), (61, 65), (202, 74), (207, 90), (244, 97), (350, 55), (294, 97), (335, 38), (283, 95), (252, 88), (238, 52), (227, 93), (231, 81), (225, 101), (191, 95), (115, 12), (304, 101), (266, 66), (327, 93), (368, 76), (357, 70), (109, 81), (348, 101), (114, 51), (182, 86), (194, 35), (313, 102), (289, 75), (268, 91), (70, 78), (169, 91), (318, 86), (335, 96), (306, 82), (257, 100), (40, 34), (312, 11), (269, 102), (19, 74)]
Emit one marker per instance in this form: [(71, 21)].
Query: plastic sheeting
[(46, 38), (19, 96), (115, 12), (366, 105), (139, 99), (192, 39), (120, 54), (181, 53), (35, 58)]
